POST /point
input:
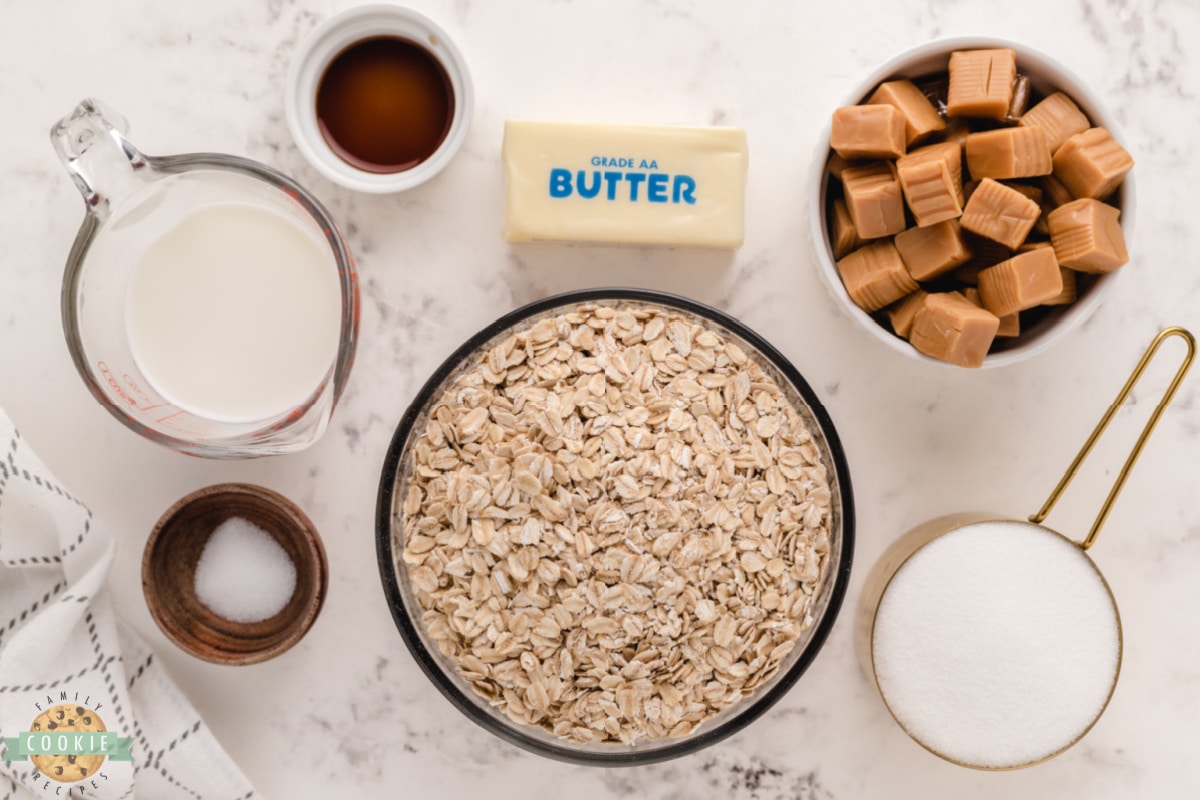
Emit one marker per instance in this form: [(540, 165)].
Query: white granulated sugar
[(243, 574), (996, 645)]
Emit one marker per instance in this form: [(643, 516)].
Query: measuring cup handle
[(90, 142), (1189, 355)]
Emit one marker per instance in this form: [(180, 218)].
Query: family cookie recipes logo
[(68, 744)]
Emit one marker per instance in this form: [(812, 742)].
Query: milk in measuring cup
[(233, 312)]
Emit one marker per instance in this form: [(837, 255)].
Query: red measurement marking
[(147, 403), (140, 403), (180, 421), (168, 421), (297, 201), (111, 380)]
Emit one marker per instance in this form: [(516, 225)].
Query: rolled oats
[(615, 524)]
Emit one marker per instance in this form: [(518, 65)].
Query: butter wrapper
[(624, 184)]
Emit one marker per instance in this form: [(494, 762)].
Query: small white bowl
[(1045, 75), (331, 38)]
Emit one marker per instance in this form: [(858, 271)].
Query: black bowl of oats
[(615, 526)]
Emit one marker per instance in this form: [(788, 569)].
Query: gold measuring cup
[(901, 553)]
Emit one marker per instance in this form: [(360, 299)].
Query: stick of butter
[(632, 184)]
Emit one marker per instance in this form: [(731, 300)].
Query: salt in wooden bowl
[(173, 551)]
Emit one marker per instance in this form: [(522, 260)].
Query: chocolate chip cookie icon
[(68, 718)]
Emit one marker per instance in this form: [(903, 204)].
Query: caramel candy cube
[(1020, 99), (948, 152), (1036, 195), (969, 189), (1059, 117), (933, 250), (935, 91), (1000, 213), (1070, 289), (875, 276), (920, 117), (930, 191), (1032, 192), (1054, 193), (956, 132), (874, 200), (1023, 281), (1092, 163), (842, 235), (925, 186), (903, 312), (981, 83), (987, 254), (951, 328), (836, 166), (1008, 153), (1087, 236), (871, 131), (1010, 325)]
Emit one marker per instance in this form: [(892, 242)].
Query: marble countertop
[(347, 712)]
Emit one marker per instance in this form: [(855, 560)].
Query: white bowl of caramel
[(971, 203)]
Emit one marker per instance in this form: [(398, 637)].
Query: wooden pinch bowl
[(169, 568)]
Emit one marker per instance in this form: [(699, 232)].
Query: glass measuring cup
[(133, 201), (995, 643)]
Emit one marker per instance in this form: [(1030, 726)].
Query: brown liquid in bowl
[(385, 104)]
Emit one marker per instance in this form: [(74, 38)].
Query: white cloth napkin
[(61, 643)]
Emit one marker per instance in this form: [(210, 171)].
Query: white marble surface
[(348, 713)]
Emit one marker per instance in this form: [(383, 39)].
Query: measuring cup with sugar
[(209, 302), (995, 643)]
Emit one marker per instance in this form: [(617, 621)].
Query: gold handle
[(1141, 440)]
